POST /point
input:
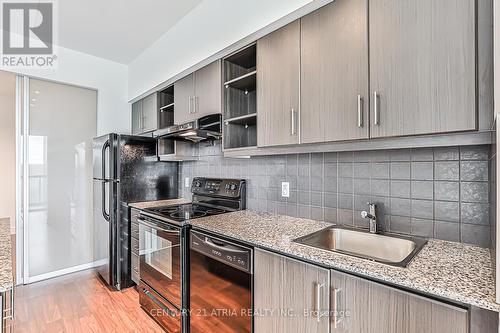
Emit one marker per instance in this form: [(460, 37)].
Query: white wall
[(207, 29), (107, 77), (8, 147)]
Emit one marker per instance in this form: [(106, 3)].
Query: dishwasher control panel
[(222, 250)]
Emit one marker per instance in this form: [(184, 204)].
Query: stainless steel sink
[(385, 248)]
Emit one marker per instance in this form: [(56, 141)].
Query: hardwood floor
[(79, 302)]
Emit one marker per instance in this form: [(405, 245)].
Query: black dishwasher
[(220, 285)]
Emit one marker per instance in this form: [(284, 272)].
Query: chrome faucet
[(372, 215)]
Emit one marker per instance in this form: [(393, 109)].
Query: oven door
[(160, 258)]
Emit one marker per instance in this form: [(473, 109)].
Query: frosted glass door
[(62, 123)]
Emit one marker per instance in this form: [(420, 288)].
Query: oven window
[(158, 252)]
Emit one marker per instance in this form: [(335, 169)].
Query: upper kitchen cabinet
[(198, 94), (334, 73), (183, 99), (145, 114), (278, 87), (422, 66), (137, 117)]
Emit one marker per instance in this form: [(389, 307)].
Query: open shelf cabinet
[(166, 107), (240, 99)]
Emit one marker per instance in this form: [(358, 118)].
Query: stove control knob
[(233, 187), (197, 183)]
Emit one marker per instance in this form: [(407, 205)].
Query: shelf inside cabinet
[(245, 58), (249, 119), (246, 82), (168, 106)]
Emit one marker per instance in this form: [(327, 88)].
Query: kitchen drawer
[(134, 230), (135, 246), (135, 277)]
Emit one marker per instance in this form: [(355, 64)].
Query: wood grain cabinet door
[(208, 90), (362, 306), (422, 66), (334, 72), (278, 87), (287, 294), (150, 112), (137, 120), (184, 99)]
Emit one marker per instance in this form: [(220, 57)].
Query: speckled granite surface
[(148, 204), (448, 270), (6, 278)]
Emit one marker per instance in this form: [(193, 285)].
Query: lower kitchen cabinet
[(362, 306), (287, 295)]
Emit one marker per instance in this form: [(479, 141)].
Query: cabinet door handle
[(318, 300), (375, 108), (190, 105), (196, 104), (336, 294), (293, 126), (360, 111)]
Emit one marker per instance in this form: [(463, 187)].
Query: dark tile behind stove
[(440, 192)]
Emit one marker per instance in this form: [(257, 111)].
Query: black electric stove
[(210, 197), (164, 248)]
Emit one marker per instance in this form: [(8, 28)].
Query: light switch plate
[(285, 189), (186, 182)]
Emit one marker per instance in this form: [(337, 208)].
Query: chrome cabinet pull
[(190, 104), (318, 300), (336, 293), (375, 108), (196, 104), (360, 111), (293, 125)]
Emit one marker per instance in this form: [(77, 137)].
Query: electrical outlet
[(186, 182), (285, 189)]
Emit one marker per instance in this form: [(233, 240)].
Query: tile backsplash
[(432, 192)]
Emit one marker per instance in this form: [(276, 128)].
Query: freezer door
[(102, 229), (102, 162)]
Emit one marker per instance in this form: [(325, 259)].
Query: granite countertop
[(158, 203), (6, 277), (454, 271)]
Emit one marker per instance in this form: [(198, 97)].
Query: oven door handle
[(226, 247), (154, 226)]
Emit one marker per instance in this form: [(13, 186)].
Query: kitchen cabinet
[(334, 72), (183, 99), (137, 117), (134, 245), (287, 290), (145, 115), (422, 66), (278, 87), (360, 305), (198, 94)]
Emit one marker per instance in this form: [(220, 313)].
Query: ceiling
[(117, 30)]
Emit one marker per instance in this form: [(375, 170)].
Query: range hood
[(205, 128)]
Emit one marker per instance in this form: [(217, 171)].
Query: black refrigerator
[(125, 169)]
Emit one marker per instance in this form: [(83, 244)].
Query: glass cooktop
[(185, 212)]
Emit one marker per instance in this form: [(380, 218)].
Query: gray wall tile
[(474, 192), (421, 189), (400, 170), (422, 209), (474, 153), (446, 171), (475, 213), (400, 188), (380, 170), (474, 170), (446, 191), (446, 211), (422, 170), (422, 227), (449, 231), (440, 192), (475, 234), (446, 153)]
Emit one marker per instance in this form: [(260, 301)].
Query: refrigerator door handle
[(103, 206), (103, 188)]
